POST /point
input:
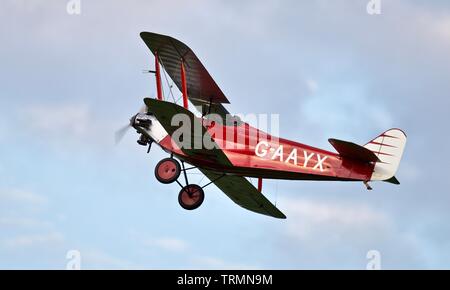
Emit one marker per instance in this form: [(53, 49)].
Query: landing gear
[(167, 170), (191, 196)]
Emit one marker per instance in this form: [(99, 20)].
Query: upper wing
[(202, 89), (243, 193), (165, 111)]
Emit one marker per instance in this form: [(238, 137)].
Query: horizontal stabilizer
[(392, 180), (353, 151)]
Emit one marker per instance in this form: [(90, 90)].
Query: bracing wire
[(200, 182), (276, 192), (168, 84)]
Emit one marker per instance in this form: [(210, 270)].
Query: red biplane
[(235, 150)]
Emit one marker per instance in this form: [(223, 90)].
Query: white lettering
[(188, 280), (320, 162), (292, 156), (278, 153), (307, 158), (261, 152)]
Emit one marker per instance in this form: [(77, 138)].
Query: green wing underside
[(165, 111), (243, 193)]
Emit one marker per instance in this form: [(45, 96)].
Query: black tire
[(191, 197), (167, 170)]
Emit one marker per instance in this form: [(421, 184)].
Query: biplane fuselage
[(261, 155)]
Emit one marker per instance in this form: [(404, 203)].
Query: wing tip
[(282, 217), (278, 214), (145, 34)]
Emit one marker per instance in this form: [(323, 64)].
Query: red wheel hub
[(167, 170), (191, 197)]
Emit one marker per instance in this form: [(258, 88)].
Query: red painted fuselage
[(254, 153)]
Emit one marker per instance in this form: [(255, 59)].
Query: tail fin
[(388, 147)]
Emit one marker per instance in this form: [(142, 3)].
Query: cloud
[(312, 85), (47, 239), (435, 25), (23, 222), (168, 244), (207, 262), (194, 258), (25, 230), (410, 171), (68, 126), (3, 128), (310, 217), (336, 108), (98, 259), (338, 234), (58, 120), (18, 196)]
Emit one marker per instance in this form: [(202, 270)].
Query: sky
[(328, 68)]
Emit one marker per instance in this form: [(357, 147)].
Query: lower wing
[(243, 193)]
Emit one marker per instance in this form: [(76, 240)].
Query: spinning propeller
[(132, 122)]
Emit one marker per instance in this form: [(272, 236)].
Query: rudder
[(388, 147)]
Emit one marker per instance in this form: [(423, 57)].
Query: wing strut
[(259, 184), (158, 78), (184, 85)]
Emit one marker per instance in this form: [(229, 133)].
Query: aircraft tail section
[(353, 151), (388, 147)]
